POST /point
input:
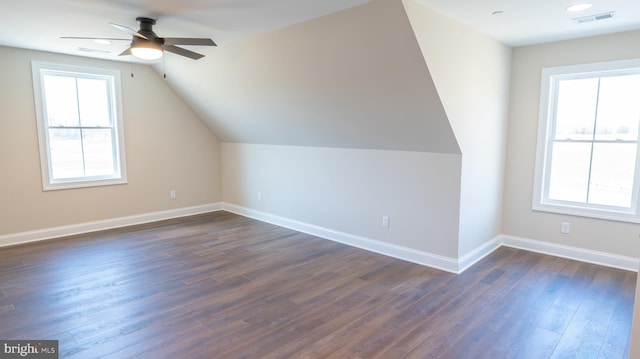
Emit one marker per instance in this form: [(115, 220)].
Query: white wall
[(354, 88), (167, 147), (471, 78), (616, 238), (471, 73), (349, 190)]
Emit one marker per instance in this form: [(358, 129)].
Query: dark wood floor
[(223, 286)]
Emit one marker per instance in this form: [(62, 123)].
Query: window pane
[(618, 108), (66, 153), (576, 109), (61, 100), (612, 174), (98, 151), (569, 171), (93, 95), (79, 122)]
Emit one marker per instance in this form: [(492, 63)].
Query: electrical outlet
[(259, 196), (385, 221), (566, 228), (172, 194)]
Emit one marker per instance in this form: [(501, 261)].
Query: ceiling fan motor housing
[(146, 29), (145, 44)]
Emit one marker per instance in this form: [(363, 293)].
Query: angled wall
[(471, 73), (353, 79), (358, 80), (336, 123)]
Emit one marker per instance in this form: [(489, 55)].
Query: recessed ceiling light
[(578, 7), (102, 41)]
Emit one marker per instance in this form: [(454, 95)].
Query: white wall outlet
[(172, 194), (385, 221), (565, 228), (259, 196)]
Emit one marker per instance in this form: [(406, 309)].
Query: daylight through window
[(79, 126), (588, 141)]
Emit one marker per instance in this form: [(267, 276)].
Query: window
[(80, 128), (587, 160)]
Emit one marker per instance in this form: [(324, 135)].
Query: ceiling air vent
[(591, 18)]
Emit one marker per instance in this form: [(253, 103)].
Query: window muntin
[(587, 162), (79, 126)]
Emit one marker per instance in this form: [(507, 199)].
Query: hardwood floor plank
[(584, 335), (356, 332), (520, 312), (219, 285), (616, 341), (430, 326), (540, 344)]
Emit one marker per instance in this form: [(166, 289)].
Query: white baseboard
[(448, 264), (579, 254), (391, 250), (49, 233), (444, 263), (477, 254)]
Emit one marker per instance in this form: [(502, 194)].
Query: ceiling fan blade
[(183, 52), (93, 38), (188, 41), (126, 52), (128, 30)]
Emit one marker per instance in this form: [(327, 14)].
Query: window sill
[(83, 184), (610, 215)]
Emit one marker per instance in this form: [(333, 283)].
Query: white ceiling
[(526, 22), (38, 24)]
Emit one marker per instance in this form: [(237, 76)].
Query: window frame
[(39, 70), (550, 77)]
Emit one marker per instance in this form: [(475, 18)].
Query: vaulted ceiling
[(39, 24), (335, 73), (353, 79)]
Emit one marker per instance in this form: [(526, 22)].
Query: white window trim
[(539, 202), (43, 138)]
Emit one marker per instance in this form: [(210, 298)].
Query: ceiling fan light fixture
[(146, 45), (146, 50)]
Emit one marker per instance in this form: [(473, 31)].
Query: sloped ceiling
[(353, 79), (39, 24)]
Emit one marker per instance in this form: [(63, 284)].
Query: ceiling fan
[(146, 45)]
